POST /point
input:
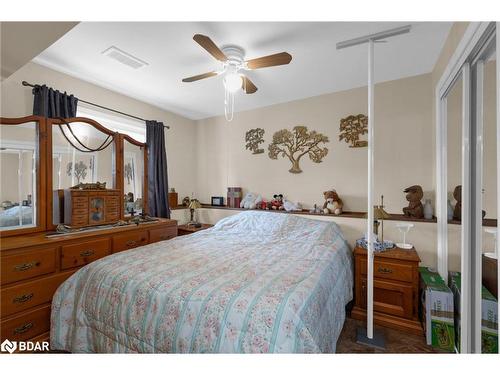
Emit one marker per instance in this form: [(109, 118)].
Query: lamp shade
[(194, 204), (379, 213)]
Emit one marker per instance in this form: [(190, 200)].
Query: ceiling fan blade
[(210, 46), (282, 58), (200, 76), (248, 85)]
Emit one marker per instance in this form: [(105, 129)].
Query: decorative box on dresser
[(395, 288), (33, 266)]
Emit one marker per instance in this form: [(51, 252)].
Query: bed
[(257, 282), (10, 216)]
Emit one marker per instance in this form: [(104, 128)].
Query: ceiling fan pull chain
[(228, 105)]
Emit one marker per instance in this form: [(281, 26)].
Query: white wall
[(403, 148)]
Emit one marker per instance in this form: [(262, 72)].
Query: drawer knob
[(131, 243), (23, 329), (87, 253), (23, 298), (384, 270), (26, 266)]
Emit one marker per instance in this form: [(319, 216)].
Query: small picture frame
[(217, 201)]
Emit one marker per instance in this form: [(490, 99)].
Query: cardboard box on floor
[(489, 315), (437, 310)]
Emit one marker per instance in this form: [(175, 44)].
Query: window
[(125, 125)]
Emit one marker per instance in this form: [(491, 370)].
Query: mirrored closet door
[(467, 137), (484, 132)]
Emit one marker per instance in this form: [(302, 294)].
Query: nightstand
[(184, 229), (395, 288)]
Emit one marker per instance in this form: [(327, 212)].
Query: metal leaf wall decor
[(80, 170), (297, 143), (253, 138), (351, 128)]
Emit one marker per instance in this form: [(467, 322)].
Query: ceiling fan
[(233, 62)]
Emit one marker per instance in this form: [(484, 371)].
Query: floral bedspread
[(256, 282)]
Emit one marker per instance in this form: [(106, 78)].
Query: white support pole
[(370, 40), (369, 227)]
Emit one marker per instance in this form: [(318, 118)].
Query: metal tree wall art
[(80, 170), (253, 138), (351, 128), (297, 143)]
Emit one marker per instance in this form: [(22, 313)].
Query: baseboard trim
[(385, 320)]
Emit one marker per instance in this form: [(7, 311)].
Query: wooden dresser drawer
[(27, 265), (162, 234), (83, 253), (26, 326), (30, 294), (389, 270), (129, 241)]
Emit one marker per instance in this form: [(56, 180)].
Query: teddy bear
[(251, 201), (414, 195), (333, 204), (277, 202), (263, 205)]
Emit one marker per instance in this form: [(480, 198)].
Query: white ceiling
[(317, 67)]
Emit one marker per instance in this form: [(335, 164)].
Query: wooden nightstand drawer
[(83, 253), (390, 298), (28, 265), (185, 229), (389, 270), (26, 326), (129, 241), (162, 234)]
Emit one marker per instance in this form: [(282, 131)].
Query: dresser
[(33, 266), (395, 288)]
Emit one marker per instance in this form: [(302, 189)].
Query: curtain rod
[(24, 83)]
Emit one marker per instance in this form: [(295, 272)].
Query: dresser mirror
[(83, 158), (133, 176), (20, 174)]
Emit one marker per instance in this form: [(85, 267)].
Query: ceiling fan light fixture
[(233, 81)]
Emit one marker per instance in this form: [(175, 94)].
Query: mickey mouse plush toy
[(277, 202)]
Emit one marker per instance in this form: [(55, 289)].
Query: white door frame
[(457, 66)]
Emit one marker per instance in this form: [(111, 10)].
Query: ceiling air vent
[(124, 57)]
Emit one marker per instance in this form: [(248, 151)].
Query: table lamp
[(379, 215), (193, 205)]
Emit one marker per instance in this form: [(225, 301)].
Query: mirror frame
[(117, 168), (41, 176), (123, 138)]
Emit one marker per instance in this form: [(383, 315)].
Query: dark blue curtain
[(52, 103), (157, 170)]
